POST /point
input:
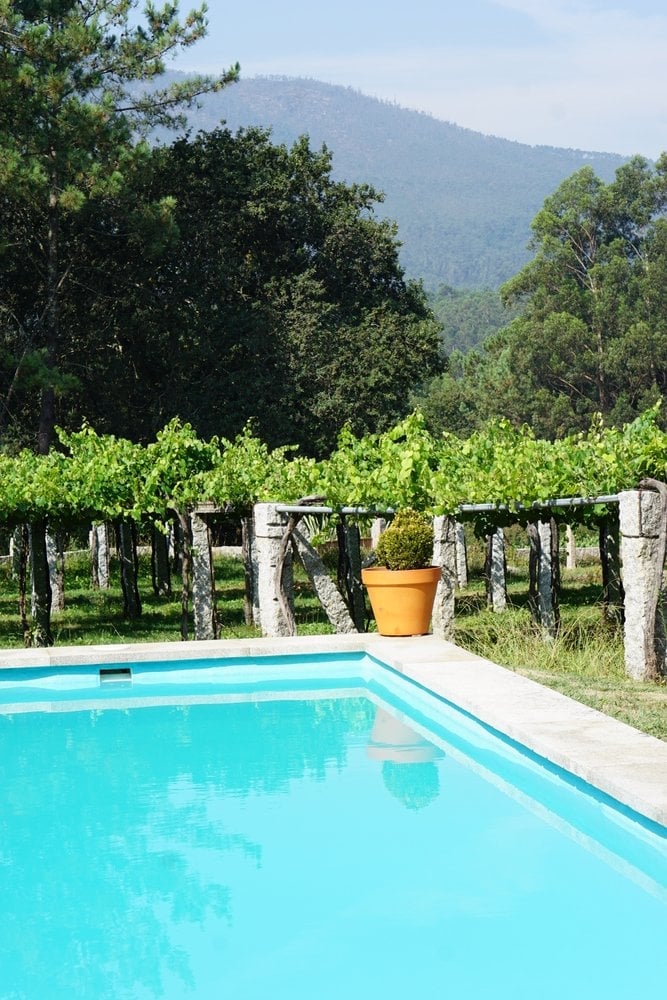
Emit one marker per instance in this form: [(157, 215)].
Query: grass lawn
[(584, 662), (96, 616)]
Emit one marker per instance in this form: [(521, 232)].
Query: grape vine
[(101, 477)]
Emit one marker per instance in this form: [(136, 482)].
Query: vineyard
[(497, 477), (92, 477)]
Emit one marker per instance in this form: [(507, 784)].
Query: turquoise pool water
[(293, 829)]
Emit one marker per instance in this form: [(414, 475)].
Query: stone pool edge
[(626, 764)]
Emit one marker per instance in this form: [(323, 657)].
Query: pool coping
[(626, 764)]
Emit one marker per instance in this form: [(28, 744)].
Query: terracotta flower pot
[(401, 599)]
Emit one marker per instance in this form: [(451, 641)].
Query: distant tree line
[(469, 316)]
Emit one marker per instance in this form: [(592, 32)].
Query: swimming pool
[(304, 826)]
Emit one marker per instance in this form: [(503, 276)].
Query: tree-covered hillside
[(469, 317), (463, 201)]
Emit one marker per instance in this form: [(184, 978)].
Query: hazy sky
[(589, 74)]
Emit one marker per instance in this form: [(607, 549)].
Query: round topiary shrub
[(407, 543)]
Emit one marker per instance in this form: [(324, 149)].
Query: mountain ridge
[(463, 201)]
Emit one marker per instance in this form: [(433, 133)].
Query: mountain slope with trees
[(463, 201)]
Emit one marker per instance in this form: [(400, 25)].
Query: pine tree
[(79, 90)]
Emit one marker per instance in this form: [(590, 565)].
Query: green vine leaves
[(101, 477)]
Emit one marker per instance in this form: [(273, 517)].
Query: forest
[(217, 278), (221, 278), (229, 279)]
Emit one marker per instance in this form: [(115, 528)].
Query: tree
[(72, 117), (287, 294), (267, 291), (449, 401), (577, 338), (591, 335)]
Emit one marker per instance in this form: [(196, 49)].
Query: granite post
[(642, 552)]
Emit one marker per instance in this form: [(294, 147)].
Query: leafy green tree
[(72, 114), (450, 401), (584, 293), (296, 305), (267, 291), (591, 334)]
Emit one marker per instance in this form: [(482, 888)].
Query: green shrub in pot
[(407, 543)]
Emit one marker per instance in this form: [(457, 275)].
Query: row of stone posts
[(635, 541), (632, 551), (632, 556), (639, 599)]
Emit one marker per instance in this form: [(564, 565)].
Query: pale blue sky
[(588, 74)]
